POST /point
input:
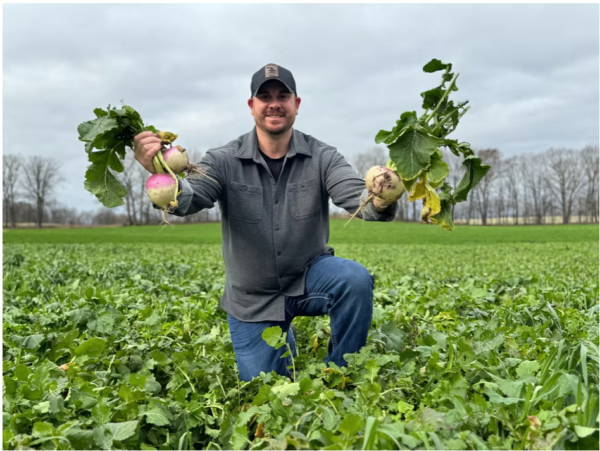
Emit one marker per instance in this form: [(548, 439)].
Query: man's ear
[(298, 100), (251, 103)]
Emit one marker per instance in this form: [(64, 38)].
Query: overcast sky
[(530, 72)]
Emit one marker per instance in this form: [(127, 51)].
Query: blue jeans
[(335, 286)]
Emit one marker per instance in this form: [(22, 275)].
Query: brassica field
[(481, 342)]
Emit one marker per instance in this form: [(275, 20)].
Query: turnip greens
[(414, 150), (111, 132)]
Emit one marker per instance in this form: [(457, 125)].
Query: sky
[(529, 71)]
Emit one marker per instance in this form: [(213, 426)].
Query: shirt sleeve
[(198, 192), (347, 190)]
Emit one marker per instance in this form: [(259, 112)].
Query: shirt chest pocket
[(245, 202), (305, 198)]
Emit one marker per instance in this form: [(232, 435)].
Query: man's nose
[(274, 103)]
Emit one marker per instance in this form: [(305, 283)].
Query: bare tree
[(470, 207), (483, 190), (590, 163), (129, 180), (375, 156), (41, 177), (514, 184), (500, 191), (11, 173), (564, 178), (457, 170), (60, 214), (85, 218), (581, 212), (402, 214), (195, 156), (538, 199), (142, 197)]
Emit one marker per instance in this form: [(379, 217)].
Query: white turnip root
[(384, 183), (161, 189), (176, 158)]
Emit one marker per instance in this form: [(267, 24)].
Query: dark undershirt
[(275, 164)]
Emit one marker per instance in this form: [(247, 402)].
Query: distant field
[(359, 232)]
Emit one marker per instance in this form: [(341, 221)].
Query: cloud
[(530, 72)]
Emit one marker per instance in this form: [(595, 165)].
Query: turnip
[(414, 150), (161, 189), (176, 158), (112, 132), (384, 183)]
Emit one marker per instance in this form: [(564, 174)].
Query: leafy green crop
[(118, 346), (111, 132), (414, 146)]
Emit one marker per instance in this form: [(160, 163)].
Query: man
[(273, 187)]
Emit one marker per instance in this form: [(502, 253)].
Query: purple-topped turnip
[(162, 189), (176, 158), (111, 133)]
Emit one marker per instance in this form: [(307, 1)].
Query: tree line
[(559, 185), (29, 188)]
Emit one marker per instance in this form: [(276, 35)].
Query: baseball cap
[(272, 72)]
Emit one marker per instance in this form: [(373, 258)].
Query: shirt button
[(277, 229), (279, 253), (277, 201)]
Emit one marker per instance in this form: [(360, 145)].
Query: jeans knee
[(358, 279)]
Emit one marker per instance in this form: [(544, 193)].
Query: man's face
[(274, 108)]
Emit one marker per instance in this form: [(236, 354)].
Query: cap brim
[(270, 79)]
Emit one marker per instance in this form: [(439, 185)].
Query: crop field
[(356, 232), (482, 338)]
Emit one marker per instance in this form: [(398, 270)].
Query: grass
[(357, 232)]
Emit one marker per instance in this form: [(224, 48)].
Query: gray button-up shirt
[(273, 230)]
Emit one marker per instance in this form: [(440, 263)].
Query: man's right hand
[(146, 145)]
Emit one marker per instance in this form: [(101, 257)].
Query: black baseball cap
[(272, 72)]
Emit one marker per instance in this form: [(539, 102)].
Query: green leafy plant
[(274, 338), (119, 346), (414, 150), (112, 132)]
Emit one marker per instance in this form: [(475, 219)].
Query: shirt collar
[(249, 147)]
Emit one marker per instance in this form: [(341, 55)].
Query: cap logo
[(271, 70)]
